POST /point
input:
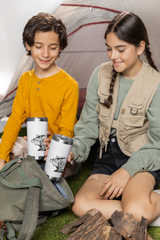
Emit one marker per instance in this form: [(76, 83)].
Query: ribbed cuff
[(73, 149), (132, 168)]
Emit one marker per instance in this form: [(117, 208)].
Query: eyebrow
[(116, 46), (50, 44)]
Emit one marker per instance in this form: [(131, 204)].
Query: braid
[(148, 55), (107, 103)]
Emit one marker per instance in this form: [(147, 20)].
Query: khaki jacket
[(132, 123)]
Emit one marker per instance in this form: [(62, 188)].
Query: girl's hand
[(2, 163), (115, 184), (70, 157)]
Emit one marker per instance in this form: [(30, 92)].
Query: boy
[(47, 90)]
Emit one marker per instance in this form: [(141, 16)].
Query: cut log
[(140, 232), (89, 229), (124, 223), (93, 225), (149, 238), (71, 227), (108, 233)]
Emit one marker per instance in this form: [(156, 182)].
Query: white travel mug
[(36, 132), (57, 156)]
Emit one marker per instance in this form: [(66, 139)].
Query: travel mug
[(36, 132), (57, 156)]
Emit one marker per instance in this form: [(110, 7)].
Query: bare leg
[(139, 199), (88, 197)]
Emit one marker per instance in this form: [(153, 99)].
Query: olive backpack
[(27, 196)]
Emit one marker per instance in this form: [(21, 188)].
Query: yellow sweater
[(54, 97)]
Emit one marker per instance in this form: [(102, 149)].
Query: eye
[(109, 49), (37, 47), (53, 48), (121, 50)]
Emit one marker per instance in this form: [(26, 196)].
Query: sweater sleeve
[(13, 125), (148, 157), (69, 110), (86, 129)]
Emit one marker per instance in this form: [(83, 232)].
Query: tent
[(86, 21)]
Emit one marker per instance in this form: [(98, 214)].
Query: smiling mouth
[(44, 61), (117, 63)]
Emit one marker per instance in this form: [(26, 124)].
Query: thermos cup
[(36, 132), (57, 156)]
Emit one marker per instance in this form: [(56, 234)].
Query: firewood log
[(108, 233), (140, 232), (89, 229), (71, 227), (124, 223)]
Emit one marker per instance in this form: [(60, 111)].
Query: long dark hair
[(130, 28)]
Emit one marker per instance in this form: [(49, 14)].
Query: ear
[(27, 46), (141, 47)]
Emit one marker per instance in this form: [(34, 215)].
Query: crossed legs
[(138, 197)]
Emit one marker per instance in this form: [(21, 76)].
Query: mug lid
[(39, 119), (62, 139)]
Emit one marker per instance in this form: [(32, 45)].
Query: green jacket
[(87, 128)]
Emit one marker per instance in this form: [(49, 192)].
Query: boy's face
[(45, 50)]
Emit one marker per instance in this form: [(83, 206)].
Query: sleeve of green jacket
[(86, 129), (148, 157)]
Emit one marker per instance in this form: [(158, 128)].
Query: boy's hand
[(47, 140), (2, 163), (25, 138), (115, 184), (46, 152)]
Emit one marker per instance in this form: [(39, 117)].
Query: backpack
[(27, 196)]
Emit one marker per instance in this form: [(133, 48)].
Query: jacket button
[(113, 140), (39, 82), (37, 89)]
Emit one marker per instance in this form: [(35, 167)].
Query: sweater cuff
[(73, 149), (77, 156), (132, 168), (4, 157)]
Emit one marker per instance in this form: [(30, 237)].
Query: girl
[(122, 111)]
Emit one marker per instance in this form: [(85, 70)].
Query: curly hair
[(44, 22)]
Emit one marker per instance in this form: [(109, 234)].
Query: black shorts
[(113, 159)]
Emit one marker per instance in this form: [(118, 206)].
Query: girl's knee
[(80, 205), (137, 210)]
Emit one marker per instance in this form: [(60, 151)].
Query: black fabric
[(113, 159)]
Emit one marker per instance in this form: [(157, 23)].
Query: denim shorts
[(113, 159)]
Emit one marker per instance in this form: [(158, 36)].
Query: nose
[(114, 55), (45, 52)]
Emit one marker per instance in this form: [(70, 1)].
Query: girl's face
[(45, 50), (125, 56)]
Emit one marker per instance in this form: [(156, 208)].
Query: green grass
[(51, 229)]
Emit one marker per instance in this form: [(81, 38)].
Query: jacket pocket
[(136, 104), (131, 122), (136, 142)]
